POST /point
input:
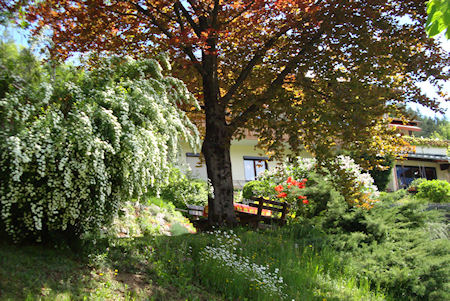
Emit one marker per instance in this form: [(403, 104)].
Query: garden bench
[(262, 204), (195, 211), (258, 210)]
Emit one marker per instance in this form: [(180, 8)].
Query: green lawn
[(269, 265), (392, 253), (43, 273)]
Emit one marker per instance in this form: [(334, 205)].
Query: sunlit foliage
[(72, 149)]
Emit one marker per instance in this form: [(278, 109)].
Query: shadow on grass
[(110, 269), (37, 271), (173, 268)]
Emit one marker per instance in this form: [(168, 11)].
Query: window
[(406, 174), (253, 166)]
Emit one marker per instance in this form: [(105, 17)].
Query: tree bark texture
[(216, 147), (216, 150)]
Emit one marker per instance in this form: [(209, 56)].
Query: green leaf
[(432, 30), (438, 17)]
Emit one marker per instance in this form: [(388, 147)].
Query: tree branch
[(188, 17), (245, 72), (215, 13), (239, 13), (167, 16), (242, 118), (187, 49), (123, 14), (310, 86)]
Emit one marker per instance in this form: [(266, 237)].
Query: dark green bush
[(395, 247), (392, 197), (251, 189), (182, 189), (435, 191), (319, 192), (382, 177)]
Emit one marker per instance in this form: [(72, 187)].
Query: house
[(247, 161), (429, 160)]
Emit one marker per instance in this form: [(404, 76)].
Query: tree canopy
[(298, 72)]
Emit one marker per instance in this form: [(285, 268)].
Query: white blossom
[(74, 168)]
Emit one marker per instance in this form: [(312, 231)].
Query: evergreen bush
[(402, 248), (382, 176), (392, 197)]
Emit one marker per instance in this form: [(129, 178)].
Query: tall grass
[(291, 263)]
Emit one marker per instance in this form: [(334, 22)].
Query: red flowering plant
[(291, 193)]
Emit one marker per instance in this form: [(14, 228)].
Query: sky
[(21, 37), (430, 90)]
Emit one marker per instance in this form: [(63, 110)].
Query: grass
[(180, 268), (115, 265), (134, 261), (117, 273), (280, 264)]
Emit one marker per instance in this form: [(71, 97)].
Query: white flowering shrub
[(356, 186), (340, 173), (363, 180), (72, 150)]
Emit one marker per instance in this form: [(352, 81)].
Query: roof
[(432, 157), (406, 127), (402, 121)]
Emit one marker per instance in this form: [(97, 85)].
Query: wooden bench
[(195, 211), (274, 206)]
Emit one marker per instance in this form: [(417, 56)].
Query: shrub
[(415, 183), (345, 180), (238, 195), (401, 248), (319, 192), (382, 176), (435, 191), (349, 179), (252, 189), (181, 189), (392, 197), (71, 150), (135, 220), (18, 68)]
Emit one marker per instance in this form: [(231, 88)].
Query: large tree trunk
[(216, 147)]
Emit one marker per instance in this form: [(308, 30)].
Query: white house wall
[(246, 147), (238, 150), (431, 150)]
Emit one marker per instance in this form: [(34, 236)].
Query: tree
[(443, 131), (438, 18), (297, 72), (431, 127), (17, 68)]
